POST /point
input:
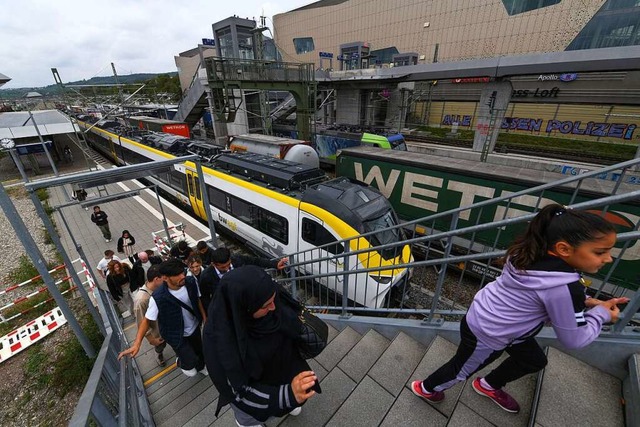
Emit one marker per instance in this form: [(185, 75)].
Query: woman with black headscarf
[(250, 349)]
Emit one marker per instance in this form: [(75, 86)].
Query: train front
[(376, 244)]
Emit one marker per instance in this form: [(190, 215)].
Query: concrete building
[(365, 37), (453, 30)]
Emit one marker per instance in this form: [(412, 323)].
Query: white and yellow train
[(279, 207)]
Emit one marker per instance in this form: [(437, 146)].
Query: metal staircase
[(194, 100), (375, 352)]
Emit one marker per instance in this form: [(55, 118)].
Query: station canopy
[(4, 79), (16, 125)]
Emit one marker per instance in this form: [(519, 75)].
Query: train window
[(273, 225), (190, 184), (217, 198), (317, 235), (242, 210), (176, 180), (196, 184)]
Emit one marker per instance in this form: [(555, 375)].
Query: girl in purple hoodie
[(541, 282)]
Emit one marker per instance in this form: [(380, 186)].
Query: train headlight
[(383, 280)]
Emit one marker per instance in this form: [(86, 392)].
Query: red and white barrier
[(33, 279), (16, 341), (21, 338)]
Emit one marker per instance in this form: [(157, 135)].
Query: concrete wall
[(348, 106)]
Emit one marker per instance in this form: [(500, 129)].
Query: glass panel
[(225, 40), (304, 45), (520, 6)]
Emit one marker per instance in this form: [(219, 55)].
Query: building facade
[(453, 30)]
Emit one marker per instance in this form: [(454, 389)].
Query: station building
[(346, 35)]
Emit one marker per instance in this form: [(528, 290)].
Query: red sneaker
[(435, 397), (499, 397)]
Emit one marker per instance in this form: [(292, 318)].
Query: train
[(276, 207), (420, 185)]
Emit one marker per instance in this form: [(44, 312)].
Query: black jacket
[(209, 279), (115, 282), (252, 371), (99, 218), (137, 276), (121, 243)]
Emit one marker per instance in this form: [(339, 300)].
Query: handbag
[(314, 333), (313, 336)]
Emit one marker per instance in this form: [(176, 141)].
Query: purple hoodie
[(515, 306)]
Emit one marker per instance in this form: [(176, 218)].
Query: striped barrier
[(32, 332), (33, 279), (16, 341)]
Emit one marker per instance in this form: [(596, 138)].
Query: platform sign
[(34, 148), (325, 55), (208, 42)]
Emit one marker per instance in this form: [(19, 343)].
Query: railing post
[(442, 274), (345, 281), (292, 275), (625, 317)]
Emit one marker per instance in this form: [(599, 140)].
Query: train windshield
[(397, 142), (384, 236)]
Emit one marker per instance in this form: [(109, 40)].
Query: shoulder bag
[(314, 333)]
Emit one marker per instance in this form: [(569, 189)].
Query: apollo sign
[(566, 77)]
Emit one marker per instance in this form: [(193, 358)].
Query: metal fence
[(114, 395), (456, 261)]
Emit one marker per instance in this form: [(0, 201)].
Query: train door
[(314, 233), (195, 194)]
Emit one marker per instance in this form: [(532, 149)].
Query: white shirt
[(103, 264), (145, 267), (190, 321), (222, 274)]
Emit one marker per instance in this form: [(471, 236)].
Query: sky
[(82, 38)]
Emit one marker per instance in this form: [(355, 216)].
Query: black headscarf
[(231, 329)]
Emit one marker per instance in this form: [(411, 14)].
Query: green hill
[(53, 89)]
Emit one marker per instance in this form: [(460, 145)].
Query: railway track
[(505, 148)]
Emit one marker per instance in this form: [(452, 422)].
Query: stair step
[(411, 411), (190, 408), (366, 406), (397, 363), (464, 416), (363, 355), (338, 348), (574, 393), (336, 387), (333, 332), (522, 390), (439, 352)]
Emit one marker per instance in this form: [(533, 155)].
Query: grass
[(72, 367), (36, 366), (614, 151)]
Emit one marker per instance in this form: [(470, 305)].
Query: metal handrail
[(298, 261), (114, 393)]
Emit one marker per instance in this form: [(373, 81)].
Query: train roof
[(267, 139), (278, 173), (352, 201)]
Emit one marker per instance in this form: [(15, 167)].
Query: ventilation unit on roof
[(269, 170)]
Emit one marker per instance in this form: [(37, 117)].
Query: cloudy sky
[(82, 38)]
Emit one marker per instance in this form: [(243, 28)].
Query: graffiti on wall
[(450, 119), (573, 127), (577, 127)]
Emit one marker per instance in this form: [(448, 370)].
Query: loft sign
[(538, 93)]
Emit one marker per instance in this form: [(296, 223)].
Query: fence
[(468, 249)]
